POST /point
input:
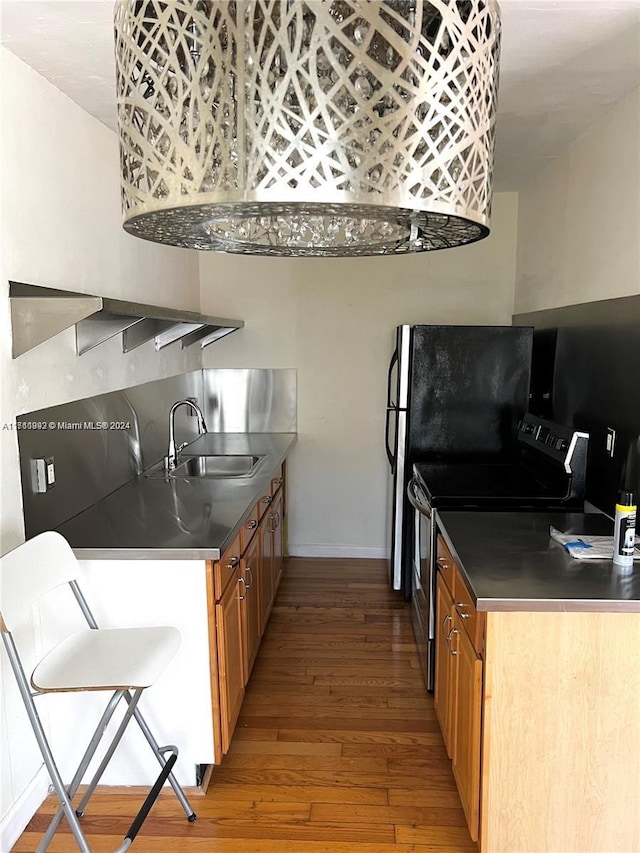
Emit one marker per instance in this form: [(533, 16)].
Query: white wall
[(333, 320), (579, 221), (61, 227)]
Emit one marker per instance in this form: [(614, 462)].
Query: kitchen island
[(538, 684)]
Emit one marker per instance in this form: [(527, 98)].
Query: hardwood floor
[(337, 749)]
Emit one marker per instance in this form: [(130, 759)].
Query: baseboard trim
[(344, 551), (15, 821)]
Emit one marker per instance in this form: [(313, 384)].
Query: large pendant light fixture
[(307, 127)]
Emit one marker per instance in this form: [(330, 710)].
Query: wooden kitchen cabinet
[(525, 679), (278, 480), (248, 529), (446, 565), (264, 503), (249, 577), (241, 587), (444, 680), (224, 569), (266, 571), (467, 720), (272, 550), (458, 681), (230, 649), (277, 555)]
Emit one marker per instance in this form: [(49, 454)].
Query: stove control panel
[(559, 443)]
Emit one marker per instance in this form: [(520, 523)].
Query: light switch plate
[(611, 441)]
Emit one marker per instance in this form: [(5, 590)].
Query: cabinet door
[(229, 634), (445, 660), (250, 606), (277, 549), (265, 582), (467, 725)]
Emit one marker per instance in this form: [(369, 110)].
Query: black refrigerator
[(454, 393)]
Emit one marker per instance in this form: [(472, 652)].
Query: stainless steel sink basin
[(216, 466)]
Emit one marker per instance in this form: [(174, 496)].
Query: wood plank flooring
[(337, 749)]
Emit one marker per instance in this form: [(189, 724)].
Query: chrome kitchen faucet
[(171, 459)]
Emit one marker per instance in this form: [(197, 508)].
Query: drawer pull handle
[(277, 481), (251, 525), (243, 582), (233, 562), (444, 621), (459, 606), (250, 573), (267, 500), (443, 562), (449, 636)]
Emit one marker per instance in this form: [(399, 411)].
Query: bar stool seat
[(108, 659)]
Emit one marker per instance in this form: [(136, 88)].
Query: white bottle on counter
[(624, 533)]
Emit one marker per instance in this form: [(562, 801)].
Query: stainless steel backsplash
[(250, 400), (90, 463), (585, 363)]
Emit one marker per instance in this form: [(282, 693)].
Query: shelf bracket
[(40, 313)]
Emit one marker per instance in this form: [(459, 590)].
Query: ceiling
[(564, 64)]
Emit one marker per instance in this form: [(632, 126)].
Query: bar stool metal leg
[(158, 750), (109, 753), (86, 760), (43, 743)]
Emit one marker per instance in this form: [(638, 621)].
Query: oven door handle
[(414, 501)]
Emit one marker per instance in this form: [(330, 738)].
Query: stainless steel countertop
[(178, 519), (510, 563)]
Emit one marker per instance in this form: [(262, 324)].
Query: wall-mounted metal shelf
[(39, 313)]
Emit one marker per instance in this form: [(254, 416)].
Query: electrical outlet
[(611, 441), (43, 474)]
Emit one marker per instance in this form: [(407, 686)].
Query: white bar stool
[(123, 661)]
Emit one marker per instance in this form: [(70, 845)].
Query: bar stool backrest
[(32, 570)]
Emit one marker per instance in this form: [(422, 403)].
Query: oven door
[(422, 580)]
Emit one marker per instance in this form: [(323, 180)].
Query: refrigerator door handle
[(392, 363), (390, 456), (398, 520)]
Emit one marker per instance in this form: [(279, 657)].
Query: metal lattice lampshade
[(325, 127)]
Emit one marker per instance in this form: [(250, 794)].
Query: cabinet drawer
[(278, 480), (248, 528), (225, 569), (471, 619), (264, 503), (446, 565)]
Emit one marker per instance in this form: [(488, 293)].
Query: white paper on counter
[(588, 547)]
